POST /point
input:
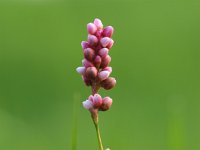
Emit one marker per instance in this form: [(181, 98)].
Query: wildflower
[(96, 71)]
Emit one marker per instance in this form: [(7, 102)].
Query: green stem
[(95, 120)]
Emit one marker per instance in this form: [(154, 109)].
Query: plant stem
[(98, 132)]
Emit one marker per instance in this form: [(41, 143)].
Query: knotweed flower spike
[(96, 71)]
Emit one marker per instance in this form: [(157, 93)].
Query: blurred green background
[(156, 60)]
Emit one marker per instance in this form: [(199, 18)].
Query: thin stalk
[(98, 133)]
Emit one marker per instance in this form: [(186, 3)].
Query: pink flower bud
[(89, 54), (103, 75), (108, 31), (97, 61), (86, 81), (106, 61), (99, 33), (103, 52), (81, 70), (87, 104), (91, 27), (108, 69), (84, 44), (105, 41), (91, 72), (108, 83), (107, 102), (90, 98), (97, 101), (92, 40), (87, 63), (110, 44), (98, 23)]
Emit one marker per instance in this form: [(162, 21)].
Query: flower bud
[(81, 70), (108, 69), (108, 31), (98, 23), (87, 63), (90, 98), (92, 40), (91, 28), (105, 62), (110, 44), (99, 33), (97, 101), (103, 52), (108, 83), (97, 61), (84, 44), (87, 104), (89, 54), (86, 81), (105, 41), (91, 72), (103, 75), (107, 102)]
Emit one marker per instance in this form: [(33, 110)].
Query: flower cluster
[(97, 102), (96, 70)]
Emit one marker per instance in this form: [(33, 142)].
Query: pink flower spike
[(105, 41), (108, 31), (103, 52), (91, 27), (80, 70), (107, 102), (87, 104), (97, 100), (84, 44), (110, 44), (103, 75), (98, 23), (92, 40)]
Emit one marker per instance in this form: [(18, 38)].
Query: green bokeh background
[(155, 59)]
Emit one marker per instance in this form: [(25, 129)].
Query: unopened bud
[(103, 52), (103, 75), (81, 70), (108, 69), (105, 61), (86, 81), (110, 44), (91, 28), (92, 40), (90, 98), (97, 101), (99, 33), (97, 61), (87, 63), (91, 72), (87, 104), (105, 41), (89, 54), (107, 102), (108, 83), (108, 31), (98, 23), (84, 44)]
